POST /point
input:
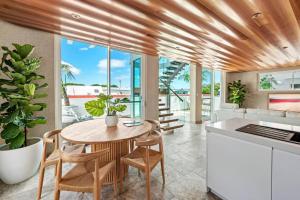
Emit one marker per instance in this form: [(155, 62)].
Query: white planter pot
[(111, 120), (18, 165)]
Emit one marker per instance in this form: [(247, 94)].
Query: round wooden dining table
[(99, 136)]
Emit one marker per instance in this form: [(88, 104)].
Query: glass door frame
[(212, 90)]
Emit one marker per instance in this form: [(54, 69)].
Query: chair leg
[(56, 193), (121, 176), (115, 181), (55, 170), (148, 183), (97, 193), (131, 144), (162, 166), (41, 180)]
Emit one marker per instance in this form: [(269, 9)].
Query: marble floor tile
[(185, 171)]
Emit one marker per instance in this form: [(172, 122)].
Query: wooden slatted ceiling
[(235, 35)]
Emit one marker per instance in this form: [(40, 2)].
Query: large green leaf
[(15, 56), (43, 105), (36, 120), (4, 106), (9, 117), (18, 77), (17, 96), (6, 82), (40, 95), (17, 142), (10, 131), (42, 86), (23, 50), (18, 65), (32, 108), (95, 107), (29, 89)]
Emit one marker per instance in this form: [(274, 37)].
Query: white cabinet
[(285, 176), (238, 170)]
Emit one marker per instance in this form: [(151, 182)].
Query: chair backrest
[(155, 124), (153, 138), (52, 137), (79, 158)]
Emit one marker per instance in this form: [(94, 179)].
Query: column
[(196, 93), (150, 87)]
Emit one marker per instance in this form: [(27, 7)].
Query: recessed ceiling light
[(75, 16), (259, 19)]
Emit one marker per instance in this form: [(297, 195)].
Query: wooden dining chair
[(155, 126), (86, 175), (52, 138), (144, 158)]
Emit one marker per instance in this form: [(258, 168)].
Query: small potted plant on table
[(20, 156), (106, 104)]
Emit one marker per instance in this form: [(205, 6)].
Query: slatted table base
[(117, 150)]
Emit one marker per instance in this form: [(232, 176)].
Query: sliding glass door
[(88, 70), (125, 81), (206, 93), (211, 92)]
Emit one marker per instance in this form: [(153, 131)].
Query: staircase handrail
[(171, 90)]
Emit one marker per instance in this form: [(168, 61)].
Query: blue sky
[(90, 64)]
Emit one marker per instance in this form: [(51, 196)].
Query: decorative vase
[(111, 121), (17, 165)]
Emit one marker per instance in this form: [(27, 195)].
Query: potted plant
[(20, 156), (237, 92), (106, 104)]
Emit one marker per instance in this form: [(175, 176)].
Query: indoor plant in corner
[(19, 85), (106, 104), (237, 92)]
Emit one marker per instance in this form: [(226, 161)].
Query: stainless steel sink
[(269, 132)]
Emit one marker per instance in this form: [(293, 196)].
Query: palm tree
[(186, 76), (67, 69)]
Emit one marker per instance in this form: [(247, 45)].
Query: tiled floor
[(185, 164)]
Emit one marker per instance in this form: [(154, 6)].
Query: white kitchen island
[(242, 166)]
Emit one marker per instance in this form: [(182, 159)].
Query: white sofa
[(284, 117), (228, 111)]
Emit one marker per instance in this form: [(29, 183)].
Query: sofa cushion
[(290, 114), (240, 110), (251, 110), (229, 106), (276, 113)]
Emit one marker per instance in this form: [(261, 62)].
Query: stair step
[(161, 104), (166, 115), (171, 68), (165, 77), (163, 109), (168, 73), (167, 128), (175, 63), (165, 121)]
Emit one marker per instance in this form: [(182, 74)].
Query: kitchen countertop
[(228, 128)]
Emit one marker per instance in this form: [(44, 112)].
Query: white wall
[(47, 47), (255, 98)]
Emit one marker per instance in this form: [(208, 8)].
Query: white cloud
[(115, 63), (92, 46), (70, 42), (84, 49), (73, 69)]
